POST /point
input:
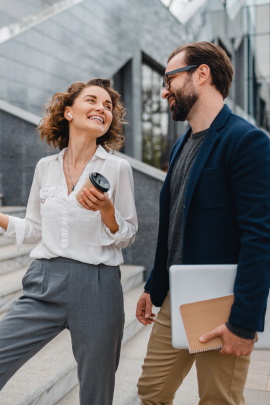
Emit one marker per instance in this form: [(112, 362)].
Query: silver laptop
[(190, 283)]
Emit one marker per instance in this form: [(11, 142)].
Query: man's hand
[(232, 344), (144, 312)]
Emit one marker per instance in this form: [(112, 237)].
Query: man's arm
[(250, 180)]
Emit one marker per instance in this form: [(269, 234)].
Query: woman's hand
[(94, 200), (4, 221)]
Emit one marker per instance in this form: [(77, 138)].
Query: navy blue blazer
[(226, 215)]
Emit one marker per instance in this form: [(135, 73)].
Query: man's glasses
[(166, 80)]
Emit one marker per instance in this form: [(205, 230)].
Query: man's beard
[(185, 98)]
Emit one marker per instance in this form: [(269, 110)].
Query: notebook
[(201, 317), (192, 283)]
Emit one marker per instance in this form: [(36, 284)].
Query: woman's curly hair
[(54, 127)]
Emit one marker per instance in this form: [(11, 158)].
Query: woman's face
[(91, 111)]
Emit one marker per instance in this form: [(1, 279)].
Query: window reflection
[(261, 85), (154, 118), (258, 64)]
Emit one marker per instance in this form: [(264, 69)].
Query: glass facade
[(155, 117), (259, 62), (252, 61)]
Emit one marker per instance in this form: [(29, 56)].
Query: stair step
[(11, 283), (51, 373), (11, 259), (131, 276), (14, 211), (10, 288), (132, 326), (44, 378), (130, 367), (129, 371)]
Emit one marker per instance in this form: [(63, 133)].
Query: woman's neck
[(80, 153)]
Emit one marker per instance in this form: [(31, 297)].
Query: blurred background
[(47, 44)]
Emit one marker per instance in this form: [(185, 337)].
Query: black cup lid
[(99, 181)]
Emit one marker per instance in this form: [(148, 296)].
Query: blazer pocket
[(212, 190)]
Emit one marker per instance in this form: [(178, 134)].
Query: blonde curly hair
[(54, 128)]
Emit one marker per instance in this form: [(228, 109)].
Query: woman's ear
[(67, 114)]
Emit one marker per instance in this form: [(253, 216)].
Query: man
[(214, 208)]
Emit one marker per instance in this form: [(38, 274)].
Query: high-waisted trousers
[(62, 293)]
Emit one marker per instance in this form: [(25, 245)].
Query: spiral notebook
[(201, 317), (200, 282)]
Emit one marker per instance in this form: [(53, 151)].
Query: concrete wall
[(13, 11), (90, 39), (23, 149), (20, 149), (148, 182)]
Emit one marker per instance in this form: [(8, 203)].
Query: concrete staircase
[(49, 376)]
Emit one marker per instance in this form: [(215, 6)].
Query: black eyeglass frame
[(166, 83)]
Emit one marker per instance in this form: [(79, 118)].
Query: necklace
[(73, 185)]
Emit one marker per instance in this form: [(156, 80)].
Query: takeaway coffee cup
[(95, 180)]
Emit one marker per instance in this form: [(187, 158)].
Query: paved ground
[(257, 391), (258, 382)]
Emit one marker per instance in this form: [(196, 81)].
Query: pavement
[(257, 389)]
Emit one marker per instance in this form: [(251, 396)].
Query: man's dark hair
[(198, 53)]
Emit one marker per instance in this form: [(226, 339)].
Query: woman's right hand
[(4, 221)]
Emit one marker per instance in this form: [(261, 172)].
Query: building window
[(259, 64), (158, 128)]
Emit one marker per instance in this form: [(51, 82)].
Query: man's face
[(182, 94), (185, 98)]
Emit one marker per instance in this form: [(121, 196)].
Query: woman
[(74, 281)]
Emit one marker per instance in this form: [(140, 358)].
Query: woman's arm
[(94, 200), (4, 221), (119, 219), (124, 210), (28, 229)]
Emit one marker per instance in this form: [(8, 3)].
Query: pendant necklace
[(73, 185)]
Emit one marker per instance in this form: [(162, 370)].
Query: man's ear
[(203, 73)]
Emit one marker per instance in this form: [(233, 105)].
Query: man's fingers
[(148, 309), (209, 335), (144, 312)]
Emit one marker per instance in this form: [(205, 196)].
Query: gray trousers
[(63, 293)]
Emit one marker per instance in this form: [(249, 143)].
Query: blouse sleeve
[(125, 211), (28, 229)]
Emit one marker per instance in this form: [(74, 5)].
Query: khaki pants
[(221, 378)]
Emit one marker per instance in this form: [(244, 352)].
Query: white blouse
[(60, 225)]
